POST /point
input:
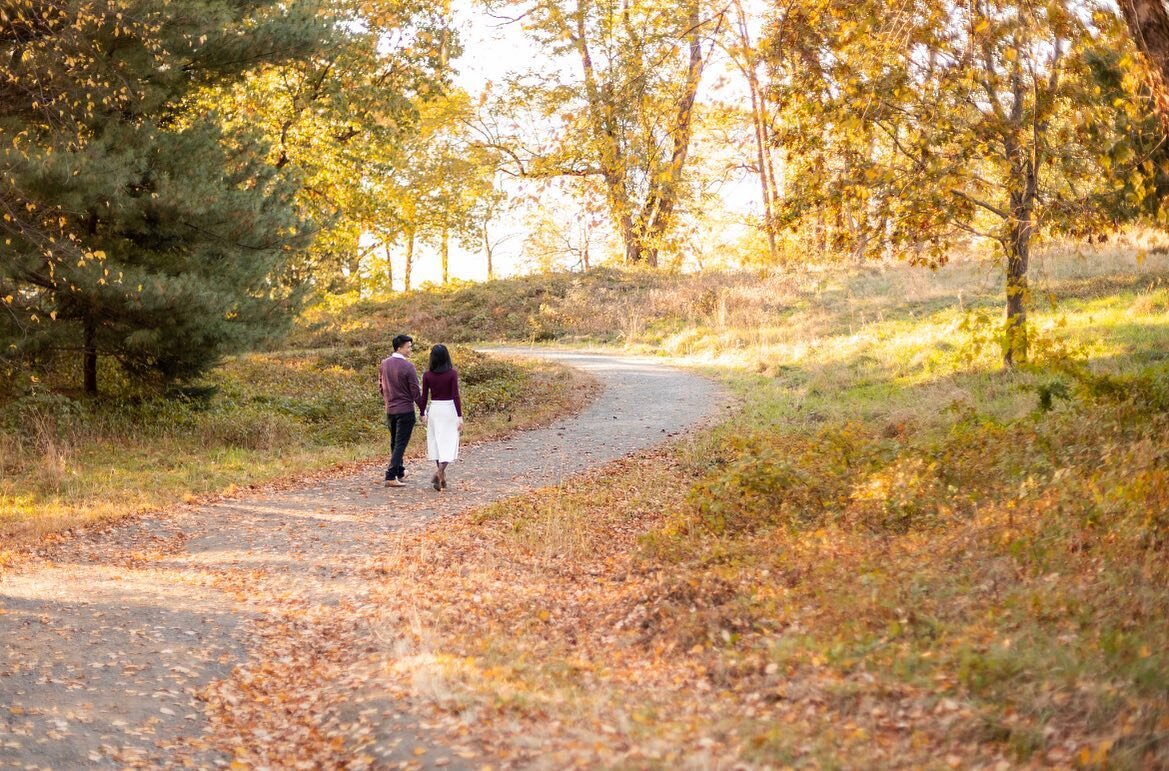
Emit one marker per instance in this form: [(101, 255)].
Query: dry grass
[(909, 558), (69, 464)]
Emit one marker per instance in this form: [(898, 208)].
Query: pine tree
[(130, 227)]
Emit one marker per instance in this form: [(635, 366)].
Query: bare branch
[(979, 202)]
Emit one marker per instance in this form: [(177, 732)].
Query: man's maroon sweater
[(398, 381)]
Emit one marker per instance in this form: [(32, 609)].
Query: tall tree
[(1137, 158), (1148, 24), (441, 187), (343, 118), (747, 58), (627, 117), (132, 227), (927, 122)]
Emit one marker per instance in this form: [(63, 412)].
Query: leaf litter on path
[(251, 630)]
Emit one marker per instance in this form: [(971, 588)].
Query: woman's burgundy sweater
[(442, 386)]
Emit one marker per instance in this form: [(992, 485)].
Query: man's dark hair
[(401, 340), (440, 359)]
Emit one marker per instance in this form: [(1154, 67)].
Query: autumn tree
[(748, 59), (567, 228), (347, 117), (486, 212), (133, 227), (915, 126), (1136, 159), (442, 186), (625, 114), (1148, 24)]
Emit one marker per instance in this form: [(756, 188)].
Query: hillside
[(885, 551), (894, 550)]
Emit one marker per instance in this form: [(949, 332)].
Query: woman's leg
[(442, 473), (435, 480)]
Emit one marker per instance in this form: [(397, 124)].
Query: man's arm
[(415, 390)]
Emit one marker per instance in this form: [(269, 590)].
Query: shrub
[(356, 358), (249, 429), (795, 482), (40, 417)]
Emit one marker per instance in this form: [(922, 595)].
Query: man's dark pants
[(401, 426)]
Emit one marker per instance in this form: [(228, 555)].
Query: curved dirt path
[(117, 647)]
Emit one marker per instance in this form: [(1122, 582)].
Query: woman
[(443, 415)]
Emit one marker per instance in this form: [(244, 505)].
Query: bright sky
[(493, 49)]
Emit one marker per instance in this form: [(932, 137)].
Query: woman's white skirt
[(442, 431)]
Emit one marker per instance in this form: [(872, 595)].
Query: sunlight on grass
[(895, 550), (271, 416)]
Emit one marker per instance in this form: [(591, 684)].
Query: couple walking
[(398, 381)]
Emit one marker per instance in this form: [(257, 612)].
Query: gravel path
[(117, 646)]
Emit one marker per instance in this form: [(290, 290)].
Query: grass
[(69, 463), (897, 554)]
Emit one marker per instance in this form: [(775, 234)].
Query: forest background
[(180, 179)]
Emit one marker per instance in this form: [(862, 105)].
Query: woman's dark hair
[(440, 359)]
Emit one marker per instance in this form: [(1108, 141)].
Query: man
[(398, 382)]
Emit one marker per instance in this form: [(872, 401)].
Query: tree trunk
[(1015, 343), (445, 254), (658, 213), (768, 163), (409, 259), (1148, 23), (631, 238), (759, 122), (89, 355), (89, 331), (1018, 249), (487, 249), (389, 266), (765, 184), (1024, 178)]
